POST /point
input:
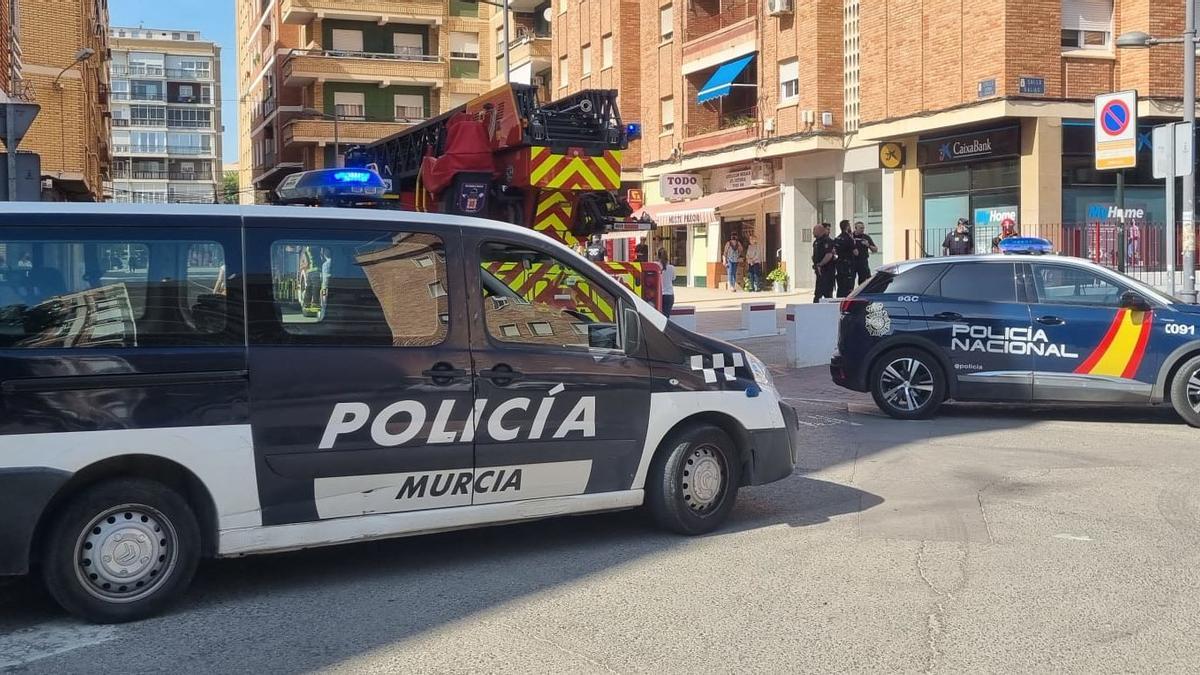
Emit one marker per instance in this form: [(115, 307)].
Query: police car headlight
[(759, 369)]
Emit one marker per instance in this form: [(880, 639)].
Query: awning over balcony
[(706, 209), (721, 82)]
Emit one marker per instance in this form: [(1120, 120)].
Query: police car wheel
[(693, 481), (907, 384), (121, 550), (1185, 392)]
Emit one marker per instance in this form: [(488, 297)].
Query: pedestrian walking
[(823, 257), (865, 246), (959, 241), (844, 266), (754, 264), (668, 282), (732, 255)]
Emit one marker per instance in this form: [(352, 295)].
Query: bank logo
[(945, 152)]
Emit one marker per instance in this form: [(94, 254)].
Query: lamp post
[(503, 5), (337, 143), (1140, 40)]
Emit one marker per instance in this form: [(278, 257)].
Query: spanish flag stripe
[(1086, 366), (1140, 350), (1118, 355)]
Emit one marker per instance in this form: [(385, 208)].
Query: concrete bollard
[(684, 316), (759, 318), (811, 333)]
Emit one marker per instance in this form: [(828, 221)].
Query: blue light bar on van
[(338, 187), (1026, 246)]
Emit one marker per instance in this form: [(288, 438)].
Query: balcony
[(189, 75), (300, 12), (315, 131), (717, 31), (191, 176), (137, 70), (135, 174), (154, 96), (189, 124), (727, 128), (189, 150), (139, 149), (304, 66), (530, 47)]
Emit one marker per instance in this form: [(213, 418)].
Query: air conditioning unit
[(808, 116), (778, 7), (826, 119)]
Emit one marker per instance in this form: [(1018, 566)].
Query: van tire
[(675, 498), (1185, 401), (920, 369), (148, 543)]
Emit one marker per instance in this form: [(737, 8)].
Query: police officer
[(865, 245), (823, 258), (846, 253), (959, 241)]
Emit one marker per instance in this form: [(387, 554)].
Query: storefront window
[(827, 201), (985, 193), (868, 207)]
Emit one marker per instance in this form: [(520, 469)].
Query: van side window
[(104, 291), (530, 297), (368, 289)]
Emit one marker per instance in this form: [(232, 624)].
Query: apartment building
[(63, 53), (319, 76), (166, 116), (530, 48)]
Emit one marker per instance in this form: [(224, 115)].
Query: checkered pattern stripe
[(727, 364)]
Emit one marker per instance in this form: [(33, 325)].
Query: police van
[(180, 383), (1017, 328)]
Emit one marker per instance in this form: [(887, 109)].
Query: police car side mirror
[(1135, 301)]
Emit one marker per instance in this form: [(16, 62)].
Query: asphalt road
[(989, 539)]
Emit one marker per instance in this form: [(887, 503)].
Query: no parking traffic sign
[(1116, 130)]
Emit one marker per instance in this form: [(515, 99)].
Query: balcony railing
[(349, 111), (120, 121), (191, 175), (189, 150), (525, 36), (138, 96), (405, 113), (405, 54), (189, 124), (193, 100), (181, 74), (140, 149), (263, 109), (711, 16), (139, 175), (746, 117), (147, 123), (138, 71)]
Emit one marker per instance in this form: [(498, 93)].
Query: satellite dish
[(547, 13)]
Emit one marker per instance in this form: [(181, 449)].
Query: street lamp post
[(1188, 42), (337, 143)]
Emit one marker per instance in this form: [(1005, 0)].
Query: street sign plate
[(1172, 141), (1116, 130), (1185, 136)]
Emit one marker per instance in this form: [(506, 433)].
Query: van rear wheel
[(692, 484), (1185, 392), (908, 384), (121, 550)]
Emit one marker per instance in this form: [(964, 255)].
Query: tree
[(229, 188)]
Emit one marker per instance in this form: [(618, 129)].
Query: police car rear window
[(914, 280), (979, 282)]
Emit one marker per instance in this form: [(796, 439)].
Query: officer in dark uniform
[(865, 246), (846, 253), (959, 241), (823, 258)]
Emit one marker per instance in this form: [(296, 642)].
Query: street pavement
[(990, 539)]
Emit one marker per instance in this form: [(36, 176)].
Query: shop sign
[(739, 179), (1031, 86), (1101, 212), (987, 88), (678, 187), (689, 217), (987, 224), (969, 147), (635, 198)]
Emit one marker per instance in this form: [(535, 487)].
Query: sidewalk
[(708, 299)]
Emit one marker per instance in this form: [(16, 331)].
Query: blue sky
[(214, 20)]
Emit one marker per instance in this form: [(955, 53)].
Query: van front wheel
[(121, 550), (692, 484)]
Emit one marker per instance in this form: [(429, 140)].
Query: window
[(914, 281), (667, 114), (564, 74), (789, 80), (606, 51), (1087, 24), (500, 42), (586, 59), (565, 309), (111, 289), (409, 107), (464, 45), (1066, 285), (356, 289), (147, 116), (347, 40), (979, 282), (408, 44), (185, 91), (666, 22), (350, 104)]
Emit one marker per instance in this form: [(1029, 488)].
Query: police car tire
[(939, 383), (667, 489), (1179, 391), (155, 501)]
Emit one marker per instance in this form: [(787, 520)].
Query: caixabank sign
[(984, 144)]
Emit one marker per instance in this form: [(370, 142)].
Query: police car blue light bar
[(1026, 246), (332, 187)]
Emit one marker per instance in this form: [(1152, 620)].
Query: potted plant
[(779, 279)]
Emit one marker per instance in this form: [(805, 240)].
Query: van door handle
[(948, 316), (1051, 320), (501, 375), (443, 373)]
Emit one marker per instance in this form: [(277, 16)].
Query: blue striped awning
[(721, 83)]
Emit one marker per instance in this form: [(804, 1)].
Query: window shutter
[(789, 70), (347, 40), (1094, 15)]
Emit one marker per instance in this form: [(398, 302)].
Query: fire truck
[(554, 167)]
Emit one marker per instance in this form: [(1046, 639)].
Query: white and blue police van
[(188, 382)]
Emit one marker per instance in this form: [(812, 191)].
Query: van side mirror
[(1134, 301)]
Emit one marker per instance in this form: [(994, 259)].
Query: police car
[(1019, 328), (203, 381)]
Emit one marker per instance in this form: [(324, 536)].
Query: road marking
[(42, 641), (813, 420), (1073, 537)]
